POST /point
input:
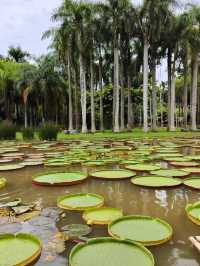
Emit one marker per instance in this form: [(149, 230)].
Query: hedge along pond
[(112, 170)]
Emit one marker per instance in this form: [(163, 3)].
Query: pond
[(168, 204)]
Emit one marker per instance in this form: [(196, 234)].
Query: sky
[(22, 23)]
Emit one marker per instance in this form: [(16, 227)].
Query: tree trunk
[(145, 85), (173, 97), (154, 98), (83, 94), (161, 108), (25, 116), (70, 94), (130, 105), (77, 117), (93, 126), (194, 92), (116, 89), (185, 94), (169, 66), (101, 93), (122, 100)]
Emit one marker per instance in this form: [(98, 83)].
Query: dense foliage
[(101, 71)]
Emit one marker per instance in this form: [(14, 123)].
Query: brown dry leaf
[(60, 247), (49, 258), (27, 216)]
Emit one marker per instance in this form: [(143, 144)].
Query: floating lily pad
[(144, 229), (184, 164), (143, 167), (113, 174), (170, 173), (110, 252), (194, 157), (178, 159), (32, 163), (56, 164), (192, 182), (169, 155), (103, 215), (156, 181), (20, 249), (9, 167), (80, 202), (193, 212), (59, 178), (130, 162), (192, 170), (2, 182), (93, 163)]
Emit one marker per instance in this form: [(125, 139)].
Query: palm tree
[(17, 54), (113, 10), (78, 15), (194, 39)]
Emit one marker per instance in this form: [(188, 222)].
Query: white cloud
[(22, 22)]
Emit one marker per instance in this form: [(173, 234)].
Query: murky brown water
[(167, 204)]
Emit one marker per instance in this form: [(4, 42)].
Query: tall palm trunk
[(116, 88), (185, 93), (83, 94), (122, 100), (172, 96), (130, 105), (25, 115), (69, 93), (169, 66), (77, 120), (154, 97), (101, 93), (194, 91), (93, 126), (145, 84), (161, 108)]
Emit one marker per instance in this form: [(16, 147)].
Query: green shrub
[(7, 130), (48, 132), (28, 133)]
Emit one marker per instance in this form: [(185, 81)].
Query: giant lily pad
[(143, 167), (9, 167), (192, 182), (20, 249), (156, 181), (184, 164), (93, 163), (2, 182), (194, 157), (32, 163), (113, 174), (193, 212), (192, 170), (144, 229), (103, 215), (177, 159), (170, 173), (59, 178), (80, 202), (110, 252)]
